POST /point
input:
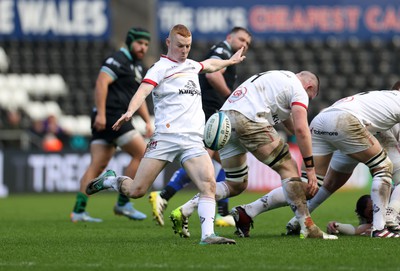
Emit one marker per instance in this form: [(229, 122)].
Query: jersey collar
[(126, 52), (227, 45)]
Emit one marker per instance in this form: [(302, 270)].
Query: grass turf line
[(36, 234)]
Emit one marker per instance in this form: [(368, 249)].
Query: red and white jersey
[(176, 96), (377, 110), (268, 96)]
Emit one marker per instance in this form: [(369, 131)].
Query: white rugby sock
[(191, 205), (272, 200), (296, 198), (394, 202), (221, 191), (206, 211), (318, 199), (380, 192), (111, 182)]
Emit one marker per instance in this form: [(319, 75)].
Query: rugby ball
[(217, 131)]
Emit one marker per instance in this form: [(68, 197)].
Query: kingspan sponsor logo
[(328, 133), (190, 88)]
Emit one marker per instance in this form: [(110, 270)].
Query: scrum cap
[(136, 33)]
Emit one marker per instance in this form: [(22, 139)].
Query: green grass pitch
[(36, 234)]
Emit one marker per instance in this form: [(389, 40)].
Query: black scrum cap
[(136, 33)]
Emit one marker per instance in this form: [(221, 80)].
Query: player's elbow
[(301, 131)]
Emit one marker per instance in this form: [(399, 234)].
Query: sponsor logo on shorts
[(152, 145), (327, 133)]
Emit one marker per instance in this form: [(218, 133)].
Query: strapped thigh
[(237, 174), (380, 166), (279, 155)]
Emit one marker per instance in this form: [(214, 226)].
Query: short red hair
[(180, 29)]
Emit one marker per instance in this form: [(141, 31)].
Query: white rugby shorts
[(338, 130), (246, 135), (170, 147)]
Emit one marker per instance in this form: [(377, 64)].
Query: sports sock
[(122, 200), (168, 192), (189, 207), (111, 182), (395, 197), (318, 199), (81, 202), (295, 196), (274, 199), (206, 212), (223, 207), (179, 180), (222, 204), (380, 192), (222, 191)]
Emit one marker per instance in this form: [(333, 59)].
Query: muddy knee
[(295, 195), (278, 156)]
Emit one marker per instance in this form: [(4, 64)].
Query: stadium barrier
[(44, 172)]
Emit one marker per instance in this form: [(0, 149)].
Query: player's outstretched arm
[(213, 65), (136, 101)]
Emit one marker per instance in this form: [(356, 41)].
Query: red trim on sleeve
[(202, 67), (301, 104), (148, 81)]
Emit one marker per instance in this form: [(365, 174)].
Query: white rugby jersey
[(176, 96), (395, 131), (377, 110), (390, 140), (268, 96)]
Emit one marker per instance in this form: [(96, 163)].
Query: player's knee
[(133, 190), (294, 188), (207, 185), (211, 186), (278, 156)]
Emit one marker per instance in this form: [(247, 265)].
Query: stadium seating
[(42, 78), (41, 73)]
